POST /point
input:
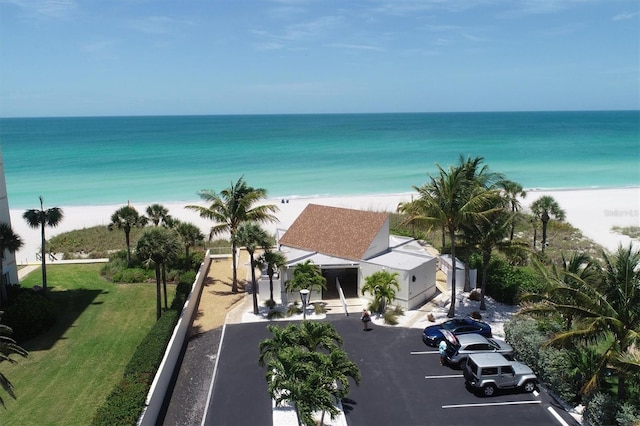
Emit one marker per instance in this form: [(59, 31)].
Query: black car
[(432, 335)]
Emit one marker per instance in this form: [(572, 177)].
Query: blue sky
[(139, 57)]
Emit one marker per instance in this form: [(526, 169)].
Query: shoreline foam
[(594, 211)]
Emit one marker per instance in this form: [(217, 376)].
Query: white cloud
[(355, 46), (58, 9), (624, 16)]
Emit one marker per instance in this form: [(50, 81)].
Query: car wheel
[(489, 390), (529, 386)]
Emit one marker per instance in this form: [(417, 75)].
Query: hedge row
[(125, 403)]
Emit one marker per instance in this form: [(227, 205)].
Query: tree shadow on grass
[(69, 305)]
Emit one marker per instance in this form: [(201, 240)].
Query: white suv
[(490, 371)]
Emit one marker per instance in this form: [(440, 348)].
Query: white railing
[(342, 299)]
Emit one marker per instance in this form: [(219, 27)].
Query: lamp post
[(304, 296)]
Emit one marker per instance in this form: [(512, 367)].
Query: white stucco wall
[(9, 265)]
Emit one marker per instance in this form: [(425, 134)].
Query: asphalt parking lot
[(403, 383)]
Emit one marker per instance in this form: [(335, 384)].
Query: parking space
[(403, 383)]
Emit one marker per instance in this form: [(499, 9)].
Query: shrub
[(133, 275), (600, 410), (124, 404), (30, 314), (275, 314), (187, 278), (628, 415), (506, 282), (293, 309)]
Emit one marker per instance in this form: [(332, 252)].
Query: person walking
[(442, 348), (365, 318)]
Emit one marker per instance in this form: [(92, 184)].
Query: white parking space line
[(445, 376), (424, 352), (491, 404), (557, 416)]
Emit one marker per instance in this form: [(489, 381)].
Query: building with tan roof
[(349, 245)]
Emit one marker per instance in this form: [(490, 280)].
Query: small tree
[(159, 215), (40, 219), (273, 260), (382, 285), (545, 207), (189, 234), (157, 245), (127, 218), (252, 236), (306, 276)]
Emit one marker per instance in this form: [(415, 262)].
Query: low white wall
[(164, 375)]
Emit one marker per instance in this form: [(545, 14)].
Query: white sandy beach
[(594, 211)]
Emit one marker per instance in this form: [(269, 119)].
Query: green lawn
[(72, 368)]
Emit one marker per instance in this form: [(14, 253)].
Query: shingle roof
[(335, 231)]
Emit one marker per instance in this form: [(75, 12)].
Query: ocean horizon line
[(284, 114)]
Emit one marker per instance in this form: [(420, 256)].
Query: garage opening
[(348, 281)]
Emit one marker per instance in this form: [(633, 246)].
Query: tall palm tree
[(40, 219), (159, 215), (273, 261), (511, 193), (453, 198), (190, 235), (127, 218), (158, 245), (8, 347), (606, 312), (382, 285), (11, 242), (252, 236), (230, 208), (545, 207)]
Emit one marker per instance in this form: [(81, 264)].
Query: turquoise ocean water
[(109, 160)]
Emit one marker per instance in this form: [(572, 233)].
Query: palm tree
[(452, 199), (8, 347), (9, 241), (545, 207), (293, 376), (382, 285), (486, 233), (230, 208), (337, 369), (308, 276), (159, 215), (252, 236), (605, 312), (511, 192), (40, 219), (127, 218), (307, 367), (157, 245), (273, 261), (190, 235)]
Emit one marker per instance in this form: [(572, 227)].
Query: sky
[(183, 57)]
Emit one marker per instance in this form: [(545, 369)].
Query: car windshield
[(449, 325), (493, 343)]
